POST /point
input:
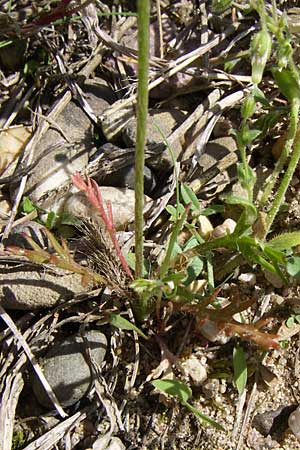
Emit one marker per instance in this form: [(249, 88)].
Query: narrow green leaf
[(27, 205), (285, 241), (212, 209), (290, 322), (240, 369), (173, 242), (176, 277), (68, 219), (287, 83), (260, 97), (51, 220), (191, 243), (204, 417), (171, 210), (130, 259), (120, 322), (175, 388), (194, 268), (189, 197)]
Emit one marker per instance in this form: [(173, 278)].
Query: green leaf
[(147, 288), (290, 322), (287, 83), (260, 97), (51, 220), (120, 322), (193, 269), (204, 417), (212, 209), (267, 121), (175, 212), (231, 64), (248, 107), (130, 259), (239, 369), (273, 254), (189, 197), (285, 241), (261, 46), (172, 244), (171, 210), (68, 219), (27, 205), (293, 266), (176, 277), (182, 392), (218, 6), (175, 388), (191, 243)]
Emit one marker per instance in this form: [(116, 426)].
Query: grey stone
[(121, 200), (67, 370), (27, 287), (30, 228), (125, 178), (167, 121), (56, 168), (273, 422)]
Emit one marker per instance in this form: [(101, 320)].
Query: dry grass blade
[(10, 397), (9, 322), (52, 437)]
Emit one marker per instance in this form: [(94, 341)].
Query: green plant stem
[(173, 239), (279, 165), (295, 156), (249, 188), (142, 111)]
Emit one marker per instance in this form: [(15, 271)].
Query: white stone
[(195, 370), (248, 278), (227, 227), (205, 227), (294, 422)]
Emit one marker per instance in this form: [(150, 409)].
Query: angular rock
[(30, 228), (195, 370), (273, 422), (28, 287), (67, 370), (215, 151), (294, 422), (121, 199), (56, 168), (124, 178), (167, 121)]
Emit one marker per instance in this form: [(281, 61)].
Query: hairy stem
[(295, 156), (142, 111)]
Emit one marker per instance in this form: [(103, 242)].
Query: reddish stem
[(93, 193)]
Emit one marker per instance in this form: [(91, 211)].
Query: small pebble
[(294, 422), (66, 368), (248, 278), (195, 370), (273, 422), (211, 388), (205, 227), (273, 279), (227, 227)]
